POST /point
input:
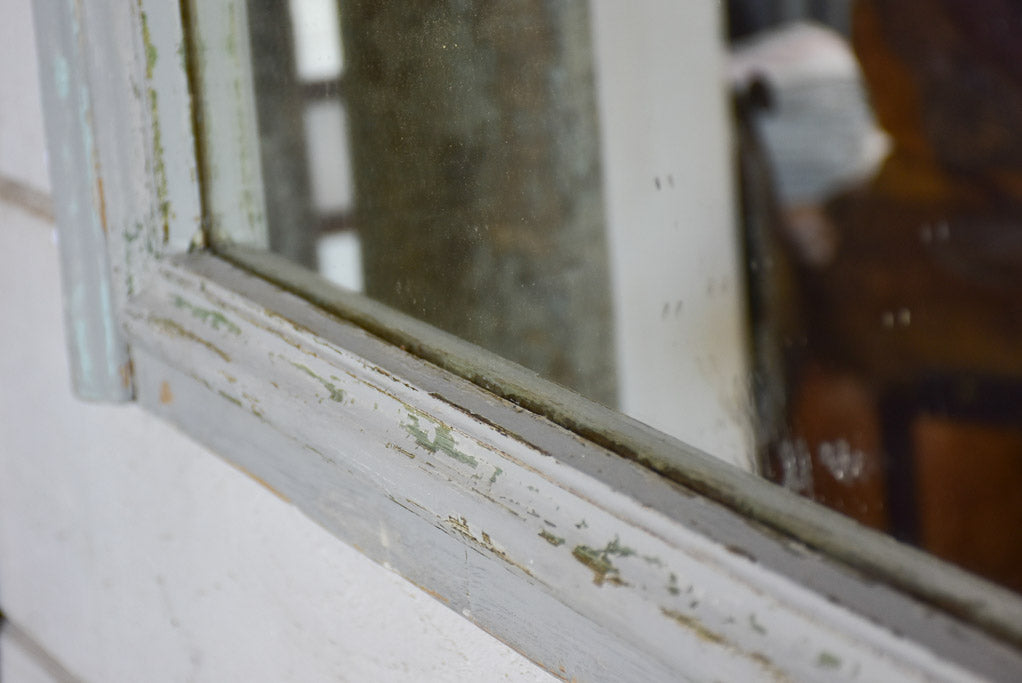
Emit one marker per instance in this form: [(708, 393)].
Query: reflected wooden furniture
[(906, 377)]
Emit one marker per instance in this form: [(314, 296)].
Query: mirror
[(785, 232), (506, 175)]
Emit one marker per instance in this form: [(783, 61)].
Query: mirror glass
[(788, 233)]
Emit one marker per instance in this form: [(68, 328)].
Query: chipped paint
[(166, 395), (769, 667), (322, 456), (134, 233), (402, 451), (150, 49), (603, 569), (130, 235), (214, 319), (101, 201), (441, 442), (158, 165), (496, 473), (555, 541), (693, 624), (615, 548), (174, 328), (828, 660), (598, 560), (127, 373), (335, 393), (466, 489), (230, 398), (182, 55), (461, 525)]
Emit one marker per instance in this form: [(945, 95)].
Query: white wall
[(679, 302), (127, 552)]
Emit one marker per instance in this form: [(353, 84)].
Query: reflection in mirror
[(816, 277), (895, 299), (531, 177)]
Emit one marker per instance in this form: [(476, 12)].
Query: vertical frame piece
[(173, 160), (229, 132), (100, 365), (113, 92)]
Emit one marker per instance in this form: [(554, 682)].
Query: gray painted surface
[(128, 552), (587, 562), (100, 369)]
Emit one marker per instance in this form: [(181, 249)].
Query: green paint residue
[(826, 660), (150, 49), (598, 560), (694, 625), (496, 473), (550, 538), (672, 585), (232, 399), (158, 166), (173, 328), (442, 441), (132, 235), (249, 204), (318, 452), (756, 626), (615, 548), (593, 559), (214, 319), (335, 393)]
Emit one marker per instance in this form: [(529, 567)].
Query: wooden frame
[(599, 548)]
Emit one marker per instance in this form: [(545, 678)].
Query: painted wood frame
[(599, 548)]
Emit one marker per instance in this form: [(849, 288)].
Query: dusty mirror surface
[(534, 178), (787, 233)]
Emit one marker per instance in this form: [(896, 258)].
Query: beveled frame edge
[(601, 607), (533, 532), (873, 554)]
